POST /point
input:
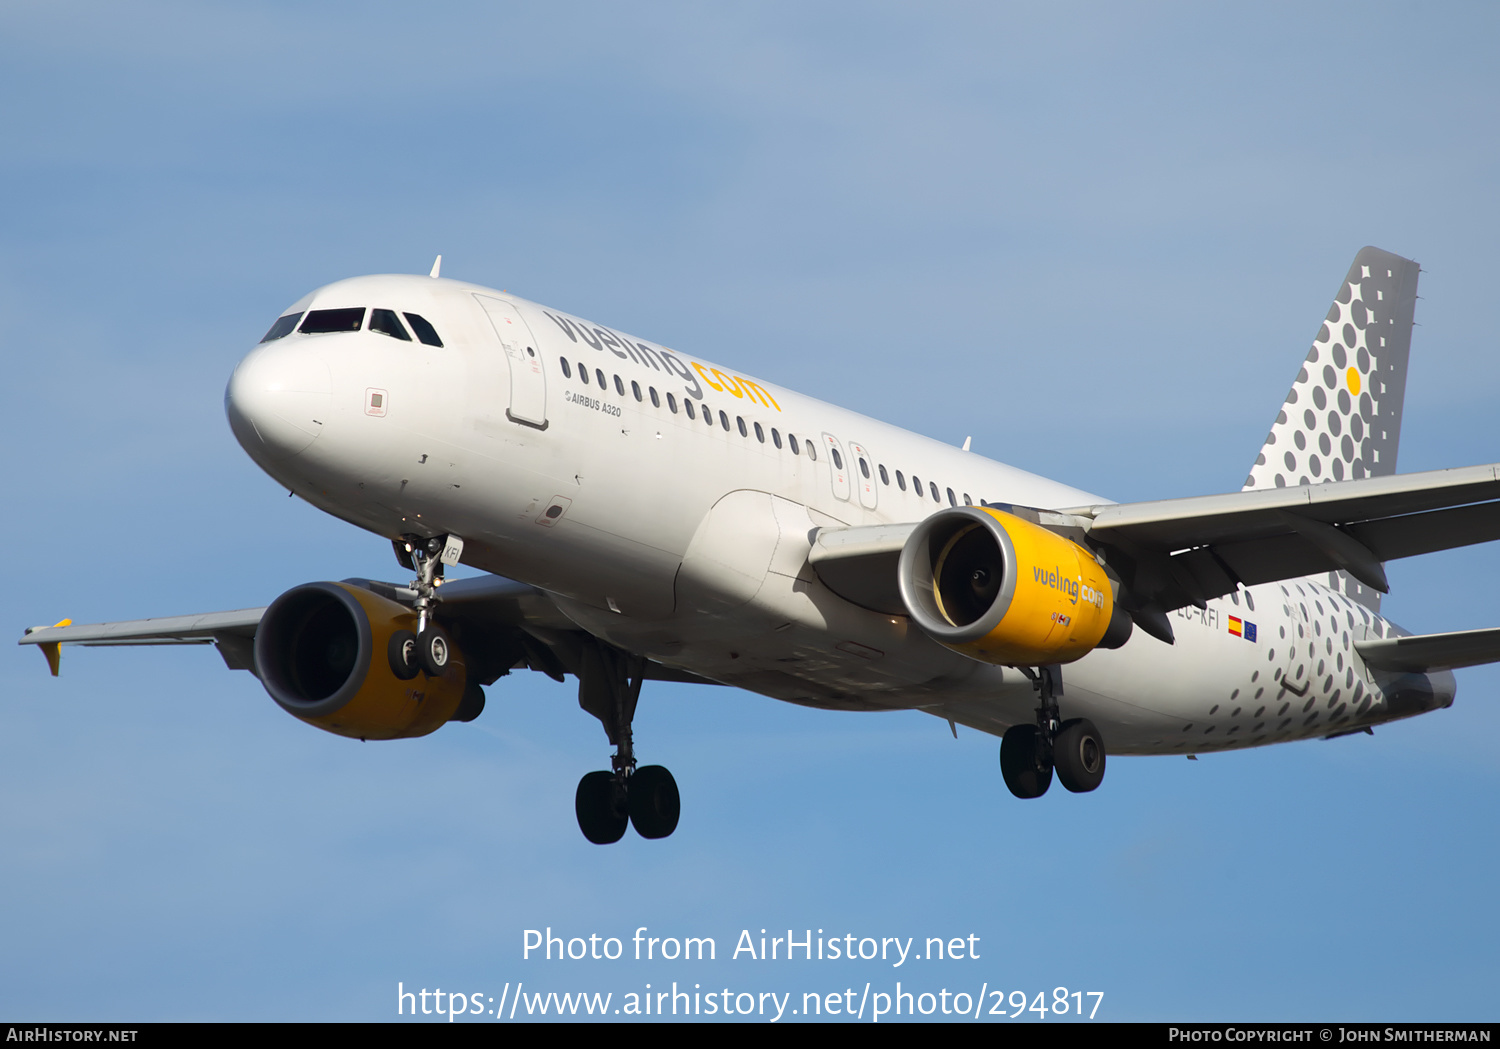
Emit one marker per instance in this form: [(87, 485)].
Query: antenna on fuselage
[(966, 443), (437, 267)]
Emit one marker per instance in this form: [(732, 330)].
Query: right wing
[(1175, 552), (1185, 551)]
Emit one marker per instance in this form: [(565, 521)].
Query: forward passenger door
[(528, 379)]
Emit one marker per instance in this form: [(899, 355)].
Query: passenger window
[(791, 440), (687, 406), (916, 485), (967, 500), (864, 468), (619, 386), (812, 452), (321, 322), (655, 400), (583, 374), (635, 388), (1249, 601), (900, 480), (425, 332), (724, 420), (672, 404), (760, 435), (283, 327), (932, 486), (603, 382), (387, 323), (885, 478), (567, 369), (740, 419), (776, 437), (838, 460), (951, 501), (708, 416)]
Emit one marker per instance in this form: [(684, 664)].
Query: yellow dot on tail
[(1352, 376)]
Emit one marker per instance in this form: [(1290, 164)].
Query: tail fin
[(1342, 417)]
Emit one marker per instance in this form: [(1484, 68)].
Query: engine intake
[(322, 653), (1000, 589)]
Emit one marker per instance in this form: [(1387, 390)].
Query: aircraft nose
[(278, 400)]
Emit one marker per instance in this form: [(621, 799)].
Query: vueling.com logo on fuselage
[(1074, 588)]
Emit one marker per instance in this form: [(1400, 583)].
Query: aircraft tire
[(1078, 755), (434, 650), (594, 803), (655, 804), (402, 652), (1018, 762)]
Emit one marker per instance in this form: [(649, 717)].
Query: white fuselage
[(681, 539)]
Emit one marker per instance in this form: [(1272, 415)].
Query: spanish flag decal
[(1242, 628)]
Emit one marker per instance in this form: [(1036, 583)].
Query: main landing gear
[(609, 684), (1030, 753)]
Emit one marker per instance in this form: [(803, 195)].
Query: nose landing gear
[(609, 685), (1029, 754)]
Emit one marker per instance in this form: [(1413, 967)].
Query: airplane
[(643, 514)]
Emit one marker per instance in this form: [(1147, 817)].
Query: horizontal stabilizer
[(1424, 652)]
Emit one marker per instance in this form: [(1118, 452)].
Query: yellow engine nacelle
[(323, 652), (1003, 590)]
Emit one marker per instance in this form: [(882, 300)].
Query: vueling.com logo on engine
[(1075, 589)]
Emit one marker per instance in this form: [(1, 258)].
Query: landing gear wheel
[(654, 801), (1078, 754), (434, 650), (600, 806), (1025, 773), (402, 653)]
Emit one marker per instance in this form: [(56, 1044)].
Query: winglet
[(437, 267), (53, 649)]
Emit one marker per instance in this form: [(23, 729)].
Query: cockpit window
[(387, 323), (322, 321), (424, 331), (283, 327)]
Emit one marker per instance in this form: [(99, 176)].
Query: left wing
[(233, 632), (503, 625)]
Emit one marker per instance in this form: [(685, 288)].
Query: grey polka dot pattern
[(1342, 417)]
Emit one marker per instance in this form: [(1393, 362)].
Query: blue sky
[(953, 218)]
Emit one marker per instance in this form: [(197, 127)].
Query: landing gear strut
[(609, 684), (1030, 753), (432, 648)]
